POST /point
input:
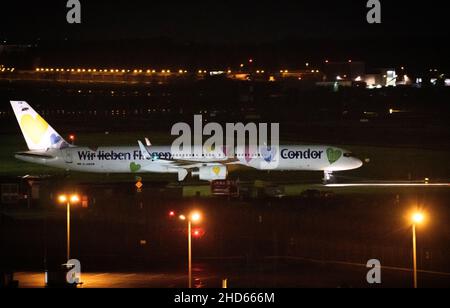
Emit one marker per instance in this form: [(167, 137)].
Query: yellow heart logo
[(33, 128), (216, 170)]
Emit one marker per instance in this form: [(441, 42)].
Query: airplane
[(47, 147)]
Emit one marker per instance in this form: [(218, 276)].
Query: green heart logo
[(134, 167), (333, 155)]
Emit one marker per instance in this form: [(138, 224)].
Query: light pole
[(192, 218), (417, 218), (68, 199)]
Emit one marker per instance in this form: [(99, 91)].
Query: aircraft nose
[(357, 163)]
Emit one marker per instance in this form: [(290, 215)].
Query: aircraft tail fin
[(38, 134)]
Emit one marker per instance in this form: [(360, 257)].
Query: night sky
[(220, 21), (217, 33)]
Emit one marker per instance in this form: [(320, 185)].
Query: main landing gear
[(328, 177)]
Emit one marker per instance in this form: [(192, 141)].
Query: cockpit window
[(349, 155)]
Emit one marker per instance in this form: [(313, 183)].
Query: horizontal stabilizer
[(35, 155)]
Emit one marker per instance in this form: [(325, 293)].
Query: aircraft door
[(67, 154)]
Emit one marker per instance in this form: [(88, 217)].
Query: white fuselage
[(211, 163), (129, 159)]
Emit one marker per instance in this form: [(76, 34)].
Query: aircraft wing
[(183, 163), (42, 155)]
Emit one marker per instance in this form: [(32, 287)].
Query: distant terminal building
[(304, 74), (345, 71), (15, 55), (13, 48), (385, 77), (343, 74)]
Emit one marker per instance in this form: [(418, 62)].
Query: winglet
[(147, 142), (144, 151)]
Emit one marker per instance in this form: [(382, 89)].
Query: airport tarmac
[(425, 185), (273, 272)]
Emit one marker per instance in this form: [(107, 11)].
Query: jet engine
[(211, 173)]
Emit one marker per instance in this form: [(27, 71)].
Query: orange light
[(182, 217), (72, 137), (62, 198), (418, 218), (74, 198), (196, 216)]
